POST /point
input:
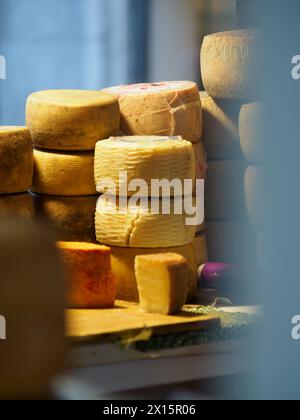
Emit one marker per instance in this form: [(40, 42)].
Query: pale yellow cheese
[(162, 281), (64, 173), (230, 64), (251, 126), (16, 160), (17, 206), (143, 158), (71, 119), (163, 109)]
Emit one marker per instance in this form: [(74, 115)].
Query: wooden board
[(127, 322)]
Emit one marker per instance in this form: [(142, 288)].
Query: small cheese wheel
[(221, 127), (123, 260), (64, 174), (136, 225), (143, 158), (254, 191), (229, 64), (162, 281), (163, 109), (88, 274), (17, 206), (72, 218), (32, 302), (250, 126), (16, 160), (71, 119)]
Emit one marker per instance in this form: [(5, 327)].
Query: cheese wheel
[(230, 64), (17, 206), (221, 127), (32, 303), (251, 126), (71, 119), (89, 279), (123, 262), (254, 191), (162, 281), (163, 109), (136, 225), (16, 160), (143, 158), (72, 218), (64, 174), (201, 160)]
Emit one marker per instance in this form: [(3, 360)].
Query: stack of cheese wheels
[(156, 220), (65, 126), (16, 172), (229, 66)]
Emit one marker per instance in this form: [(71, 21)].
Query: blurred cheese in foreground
[(32, 302), (16, 160), (72, 218), (64, 174), (143, 158), (163, 109), (162, 281), (17, 206), (71, 119), (89, 279)]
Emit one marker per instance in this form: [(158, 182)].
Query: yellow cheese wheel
[(71, 119), (72, 218), (163, 109), (64, 173), (254, 191), (230, 64), (221, 127), (143, 158), (32, 303), (136, 225), (123, 261), (17, 206), (250, 126), (16, 160)]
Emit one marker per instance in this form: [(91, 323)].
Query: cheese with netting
[(163, 109), (71, 119), (140, 225), (143, 158), (16, 160), (64, 173), (251, 126), (17, 206), (230, 64)]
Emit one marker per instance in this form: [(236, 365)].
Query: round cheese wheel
[(16, 160), (163, 109), (250, 126), (32, 304), (64, 174), (201, 160), (71, 119), (143, 158), (137, 225), (17, 206), (230, 64)]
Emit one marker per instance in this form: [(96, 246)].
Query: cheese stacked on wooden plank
[(71, 119), (143, 158), (251, 126), (89, 278), (32, 302), (16, 160), (162, 282), (163, 109), (16, 206)]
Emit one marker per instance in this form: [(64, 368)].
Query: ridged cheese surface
[(71, 119), (16, 160), (251, 126), (163, 109), (64, 174), (143, 158), (230, 64)]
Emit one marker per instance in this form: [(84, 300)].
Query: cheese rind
[(250, 126), (71, 119), (162, 281), (90, 282), (17, 206), (16, 160), (143, 158), (200, 160), (64, 173), (229, 64), (163, 109)]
